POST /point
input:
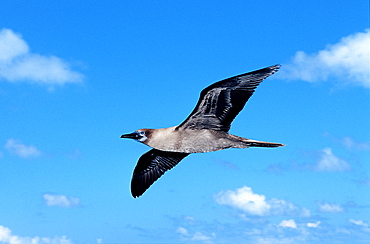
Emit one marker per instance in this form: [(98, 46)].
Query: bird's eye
[(141, 136)]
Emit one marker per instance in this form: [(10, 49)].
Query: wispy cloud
[(18, 63), (362, 224), (63, 201), (196, 236), (6, 237), (318, 161), (350, 143), (288, 224), (359, 222), (348, 60), (266, 229), (255, 204), (261, 231), (18, 148), (329, 162), (330, 208)]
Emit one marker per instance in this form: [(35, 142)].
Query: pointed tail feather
[(253, 143)]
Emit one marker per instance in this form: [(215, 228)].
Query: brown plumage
[(204, 130)]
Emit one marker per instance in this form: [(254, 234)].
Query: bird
[(204, 130)]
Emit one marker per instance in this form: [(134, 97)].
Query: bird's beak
[(133, 135)]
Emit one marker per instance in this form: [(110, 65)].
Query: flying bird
[(204, 130)]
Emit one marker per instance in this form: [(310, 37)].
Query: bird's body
[(174, 139), (204, 130)]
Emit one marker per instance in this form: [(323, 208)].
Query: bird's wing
[(221, 102), (152, 165)]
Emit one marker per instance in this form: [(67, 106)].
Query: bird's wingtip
[(275, 67)]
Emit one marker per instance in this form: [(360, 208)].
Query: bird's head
[(138, 135)]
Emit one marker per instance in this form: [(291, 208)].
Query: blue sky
[(75, 75)]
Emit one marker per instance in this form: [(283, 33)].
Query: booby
[(204, 130)]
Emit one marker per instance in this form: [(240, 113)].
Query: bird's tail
[(244, 142), (253, 143)]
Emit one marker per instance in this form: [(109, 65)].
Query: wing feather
[(150, 167), (221, 102)]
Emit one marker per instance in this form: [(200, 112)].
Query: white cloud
[(254, 204), (359, 222), (182, 231), (61, 201), (288, 224), (348, 60), (313, 225), (17, 63), (6, 237), (280, 240), (245, 200), (267, 230), (330, 208), (322, 161), (18, 148), (330, 162), (197, 236), (364, 226)]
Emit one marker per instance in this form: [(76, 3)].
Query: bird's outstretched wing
[(152, 165), (222, 101)]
